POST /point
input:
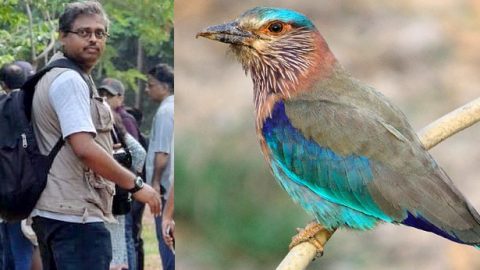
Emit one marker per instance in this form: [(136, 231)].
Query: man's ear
[(61, 37)]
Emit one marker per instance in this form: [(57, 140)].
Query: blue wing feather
[(356, 191), (341, 180)]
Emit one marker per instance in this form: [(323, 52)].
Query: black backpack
[(23, 169)]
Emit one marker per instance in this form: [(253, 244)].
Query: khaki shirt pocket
[(101, 115), (101, 191)]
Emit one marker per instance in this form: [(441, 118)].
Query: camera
[(122, 198), (121, 201), (123, 157)]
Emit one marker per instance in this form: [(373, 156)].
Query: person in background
[(113, 90), (26, 227), (160, 88), (17, 250), (26, 66), (12, 77), (137, 207), (116, 92)]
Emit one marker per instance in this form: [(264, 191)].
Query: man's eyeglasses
[(87, 33)]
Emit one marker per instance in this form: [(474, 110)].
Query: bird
[(339, 147)]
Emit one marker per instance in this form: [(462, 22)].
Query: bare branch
[(301, 255), (140, 63), (30, 24), (450, 124), (50, 47)]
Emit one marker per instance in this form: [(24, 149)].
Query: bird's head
[(280, 48)]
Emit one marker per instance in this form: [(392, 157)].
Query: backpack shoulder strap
[(29, 86), (29, 90), (67, 63)]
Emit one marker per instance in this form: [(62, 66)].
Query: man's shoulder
[(164, 111), (67, 82), (66, 75), (166, 107)]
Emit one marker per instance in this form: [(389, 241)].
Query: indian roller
[(338, 147)]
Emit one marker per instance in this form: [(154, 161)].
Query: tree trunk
[(139, 92), (33, 54)]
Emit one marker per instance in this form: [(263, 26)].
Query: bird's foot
[(313, 233)]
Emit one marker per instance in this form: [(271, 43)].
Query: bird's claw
[(309, 234)]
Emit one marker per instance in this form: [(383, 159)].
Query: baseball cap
[(112, 86)]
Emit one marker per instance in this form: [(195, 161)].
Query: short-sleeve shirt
[(69, 96), (161, 141)]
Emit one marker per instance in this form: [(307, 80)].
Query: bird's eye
[(275, 27)]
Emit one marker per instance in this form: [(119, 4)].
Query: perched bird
[(339, 148)]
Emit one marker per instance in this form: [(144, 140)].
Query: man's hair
[(163, 73), (12, 76), (75, 9), (26, 66)]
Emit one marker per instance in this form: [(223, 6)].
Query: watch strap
[(137, 187)]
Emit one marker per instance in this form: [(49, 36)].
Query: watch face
[(139, 182)]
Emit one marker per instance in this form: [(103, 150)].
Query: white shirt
[(161, 137)]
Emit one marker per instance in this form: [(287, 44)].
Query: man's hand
[(168, 231), (149, 196)]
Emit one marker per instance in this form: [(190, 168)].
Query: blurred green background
[(231, 214)]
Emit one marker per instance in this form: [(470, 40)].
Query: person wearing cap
[(115, 91)]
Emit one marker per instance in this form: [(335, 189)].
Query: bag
[(123, 156), (23, 169), (122, 199)]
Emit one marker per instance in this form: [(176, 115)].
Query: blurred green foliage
[(20, 38), (229, 198)]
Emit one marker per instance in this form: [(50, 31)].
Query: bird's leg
[(313, 233)]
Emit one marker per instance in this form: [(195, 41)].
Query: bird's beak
[(227, 33)]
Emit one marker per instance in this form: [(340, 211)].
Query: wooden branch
[(30, 23), (50, 47), (140, 64), (301, 255), (450, 124)]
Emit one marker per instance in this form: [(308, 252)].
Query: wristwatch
[(138, 185)]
